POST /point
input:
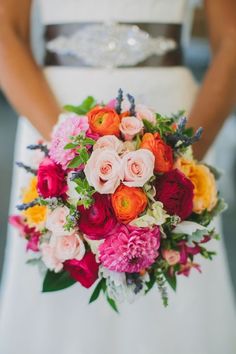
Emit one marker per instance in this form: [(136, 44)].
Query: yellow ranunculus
[(205, 190), (36, 214)]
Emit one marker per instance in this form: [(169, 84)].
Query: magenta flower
[(130, 249), (72, 126)]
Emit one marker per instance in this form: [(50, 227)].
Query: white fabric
[(200, 318), (57, 11)]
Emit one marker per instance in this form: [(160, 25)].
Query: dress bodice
[(161, 11)]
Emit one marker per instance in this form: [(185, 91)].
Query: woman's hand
[(217, 96), (20, 78)]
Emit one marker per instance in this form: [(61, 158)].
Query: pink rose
[(51, 179), (130, 126), (142, 112), (99, 220), (138, 167), (60, 249), (84, 271), (69, 247), (172, 257), (56, 221), (103, 170), (49, 258), (109, 142)]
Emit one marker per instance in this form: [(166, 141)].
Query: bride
[(200, 318)]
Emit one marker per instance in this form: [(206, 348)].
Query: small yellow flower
[(36, 214)]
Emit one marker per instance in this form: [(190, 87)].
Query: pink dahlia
[(72, 126), (130, 249)]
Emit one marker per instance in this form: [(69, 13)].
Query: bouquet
[(116, 201)]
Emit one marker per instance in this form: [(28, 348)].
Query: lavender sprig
[(28, 169), (25, 206), (40, 147), (119, 100), (132, 105)]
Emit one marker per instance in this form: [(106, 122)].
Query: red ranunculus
[(175, 191), (84, 271), (51, 179), (99, 220)]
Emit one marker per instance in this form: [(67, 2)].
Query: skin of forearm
[(24, 85), (216, 98)]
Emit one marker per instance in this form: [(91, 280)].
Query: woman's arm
[(20, 78), (217, 96)]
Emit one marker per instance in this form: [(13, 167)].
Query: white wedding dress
[(200, 318)]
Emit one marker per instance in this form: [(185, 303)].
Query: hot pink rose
[(130, 126), (103, 170), (143, 112), (109, 142), (172, 257), (84, 271), (51, 179), (99, 220), (138, 167)]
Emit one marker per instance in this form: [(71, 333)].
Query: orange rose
[(36, 214), (128, 203), (162, 152), (104, 121), (205, 190)]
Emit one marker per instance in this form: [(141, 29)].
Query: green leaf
[(57, 281), (216, 173), (77, 161), (70, 146), (34, 261), (151, 282), (97, 290), (171, 280), (84, 108), (112, 303)]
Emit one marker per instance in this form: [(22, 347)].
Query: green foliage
[(112, 303), (216, 173), (101, 286), (85, 192), (57, 281), (161, 281), (72, 218), (171, 280), (151, 282), (206, 217), (84, 108), (79, 143)]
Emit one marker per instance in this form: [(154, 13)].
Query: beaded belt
[(113, 45)]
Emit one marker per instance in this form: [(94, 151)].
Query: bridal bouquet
[(116, 201)]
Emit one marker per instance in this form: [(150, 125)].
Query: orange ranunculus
[(36, 214), (205, 190), (104, 121), (162, 152), (128, 203)]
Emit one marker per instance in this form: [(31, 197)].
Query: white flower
[(117, 286), (156, 215)]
